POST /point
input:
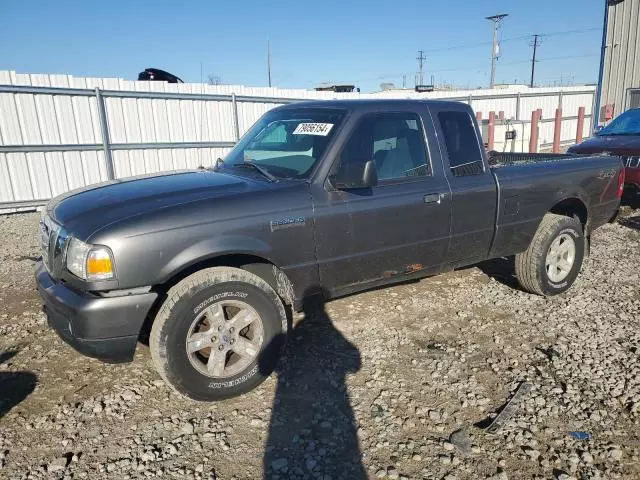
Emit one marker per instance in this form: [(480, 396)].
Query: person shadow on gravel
[(14, 386), (312, 432)]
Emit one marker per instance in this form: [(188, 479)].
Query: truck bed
[(529, 185)]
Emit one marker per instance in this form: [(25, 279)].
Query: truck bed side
[(530, 187)]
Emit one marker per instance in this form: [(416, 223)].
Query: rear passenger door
[(473, 187), (397, 227)]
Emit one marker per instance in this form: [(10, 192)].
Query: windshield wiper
[(265, 173)]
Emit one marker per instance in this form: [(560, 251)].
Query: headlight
[(89, 262)]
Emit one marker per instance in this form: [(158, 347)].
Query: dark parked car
[(621, 137), (158, 75), (334, 197)]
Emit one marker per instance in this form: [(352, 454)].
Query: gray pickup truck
[(330, 197)]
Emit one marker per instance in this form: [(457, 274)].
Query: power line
[(478, 44), (566, 57), (571, 32), (472, 45), (511, 39), (478, 68)]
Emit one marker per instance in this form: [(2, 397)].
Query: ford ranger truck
[(330, 196)]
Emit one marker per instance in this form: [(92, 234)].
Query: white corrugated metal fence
[(59, 132)]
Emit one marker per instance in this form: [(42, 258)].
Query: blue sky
[(366, 42)]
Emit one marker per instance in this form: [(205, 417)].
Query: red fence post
[(580, 130), (557, 130), (501, 114), (492, 130), (533, 140), (479, 117), (608, 111)]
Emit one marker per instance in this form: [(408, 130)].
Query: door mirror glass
[(355, 175)]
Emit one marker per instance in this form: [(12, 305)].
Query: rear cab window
[(461, 143)]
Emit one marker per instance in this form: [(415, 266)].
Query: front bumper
[(106, 328)]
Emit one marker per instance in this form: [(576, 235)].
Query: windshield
[(626, 124), (287, 143)]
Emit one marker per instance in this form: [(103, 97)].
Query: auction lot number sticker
[(322, 129)]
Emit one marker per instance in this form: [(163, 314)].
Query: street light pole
[(269, 61), (496, 19)]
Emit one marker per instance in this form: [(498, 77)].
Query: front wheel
[(218, 334), (554, 258)]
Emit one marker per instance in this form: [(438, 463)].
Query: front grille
[(632, 162), (53, 242)]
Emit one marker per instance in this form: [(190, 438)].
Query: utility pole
[(269, 61), (421, 58), (404, 81), (533, 60), (495, 49)]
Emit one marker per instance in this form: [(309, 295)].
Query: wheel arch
[(258, 265), (573, 207)]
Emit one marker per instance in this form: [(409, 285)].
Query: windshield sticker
[(322, 129)]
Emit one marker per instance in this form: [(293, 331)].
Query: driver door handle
[(434, 197)]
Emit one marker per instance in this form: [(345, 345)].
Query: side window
[(463, 148), (394, 140)]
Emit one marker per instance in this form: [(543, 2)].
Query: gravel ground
[(392, 383)]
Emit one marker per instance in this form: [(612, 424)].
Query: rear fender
[(575, 199)]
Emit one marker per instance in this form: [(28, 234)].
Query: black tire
[(185, 302), (531, 268)]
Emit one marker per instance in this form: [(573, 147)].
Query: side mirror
[(356, 175)]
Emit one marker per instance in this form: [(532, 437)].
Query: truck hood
[(85, 211), (626, 145)]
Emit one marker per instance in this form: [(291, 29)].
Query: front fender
[(210, 248)]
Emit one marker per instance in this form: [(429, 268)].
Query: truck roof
[(355, 104)]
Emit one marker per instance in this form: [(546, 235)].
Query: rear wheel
[(218, 334), (554, 258)]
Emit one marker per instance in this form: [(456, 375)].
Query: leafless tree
[(213, 79)]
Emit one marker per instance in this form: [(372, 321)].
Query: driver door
[(398, 227)]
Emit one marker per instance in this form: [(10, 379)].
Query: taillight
[(620, 183)]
